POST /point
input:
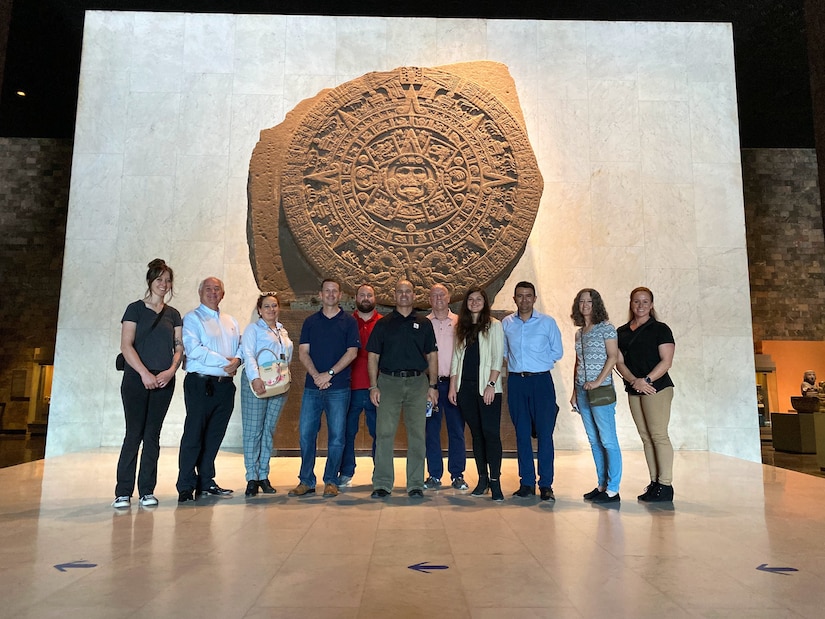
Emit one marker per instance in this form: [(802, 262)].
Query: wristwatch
[(331, 372), (648, 381), (434, 387), (492, 383)]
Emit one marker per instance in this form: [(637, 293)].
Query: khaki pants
[(651, 414), (411, 395)]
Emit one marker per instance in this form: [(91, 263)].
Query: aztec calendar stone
[(414, 173)]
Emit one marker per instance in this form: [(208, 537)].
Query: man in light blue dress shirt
[(532, 345), (212, 341)]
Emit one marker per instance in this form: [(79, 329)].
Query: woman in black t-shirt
[(150, 340), (646, 348)]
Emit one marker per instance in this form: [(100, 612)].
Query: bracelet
[(371, 388)]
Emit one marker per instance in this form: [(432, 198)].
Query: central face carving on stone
[(413, 173)]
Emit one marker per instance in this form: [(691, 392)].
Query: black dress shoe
[(416, 493), (185, 496), (216, 490), (266, 487), (380, 493), (525, 491), (547, 494), (251, 487)]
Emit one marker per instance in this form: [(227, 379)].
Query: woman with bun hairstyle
[(646, 348), (151, 344)]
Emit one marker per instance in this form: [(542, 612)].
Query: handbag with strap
[(120, 360), (599, 396), (274, 374)]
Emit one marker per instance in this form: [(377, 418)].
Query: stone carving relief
[(421, 173)]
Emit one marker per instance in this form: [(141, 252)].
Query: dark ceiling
[(43, 54)]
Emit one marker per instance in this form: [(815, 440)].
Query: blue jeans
[(600, 426), (359, 401), (456, 448), (532, 403), (315, 401)]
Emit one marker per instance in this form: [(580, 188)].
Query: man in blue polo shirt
[(329, 342), (532, 345)]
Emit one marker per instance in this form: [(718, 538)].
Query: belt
[(443, 379), (220, 379), (523, 374), (403, 373)]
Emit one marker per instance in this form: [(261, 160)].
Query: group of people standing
[(428, 368)]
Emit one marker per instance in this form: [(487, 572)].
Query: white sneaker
[(121, 502), (345, 481), (148, 500)]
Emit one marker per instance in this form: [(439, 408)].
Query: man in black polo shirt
[(402, 356)]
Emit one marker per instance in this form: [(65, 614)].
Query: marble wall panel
[(709, 52), (614, 121), (410, 41), (209, 44), (718, 201), (665, 127), (96, 182), (259, 55), (617, 204), (725, 307), (714, 130), (312, 46), (151, 133), (669, 207), (146, 223), (634, 127), (362, 44), (205, 105), (562, 56), (662, 72), (613, 51), (458, 40), (108, 42), (564, 129), (104, 131), (86, 296), (156, 52), (249, 113)]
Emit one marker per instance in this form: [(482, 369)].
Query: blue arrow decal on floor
[(423, 567), (776, 570), (82, 563)]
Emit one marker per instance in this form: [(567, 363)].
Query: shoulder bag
[(274, 374), (598, 396)]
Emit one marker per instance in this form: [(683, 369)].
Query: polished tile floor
[(351, 556)]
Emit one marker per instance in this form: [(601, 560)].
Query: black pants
[(145, 410), (209, 406), (484, 421)]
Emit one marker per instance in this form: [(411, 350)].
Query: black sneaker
[(603, 497), (380, 493), (459, 483), (589, 496), (251, 487), (185, 496), (432, 483), (416, 493)]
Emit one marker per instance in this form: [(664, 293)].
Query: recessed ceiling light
[(21, 93)]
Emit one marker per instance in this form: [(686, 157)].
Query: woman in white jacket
[(475, 385)]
